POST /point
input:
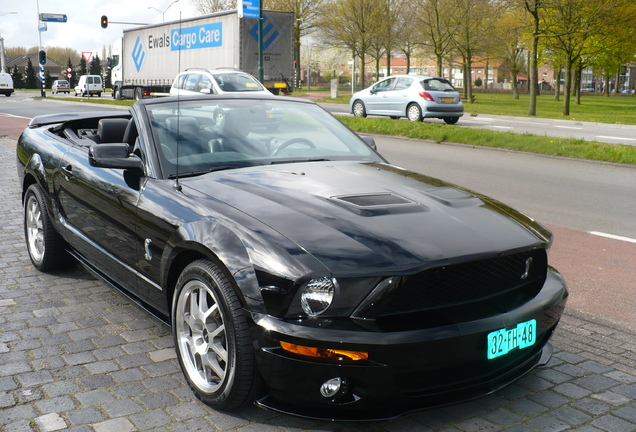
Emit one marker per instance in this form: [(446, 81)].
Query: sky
[(82, 31)]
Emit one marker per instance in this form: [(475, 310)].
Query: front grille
[(501, 282)]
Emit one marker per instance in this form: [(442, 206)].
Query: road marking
[(612, 236), (569, 127), (501, 127), (615, 138)]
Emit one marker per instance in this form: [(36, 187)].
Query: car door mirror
[(115, 155), (369, 141)]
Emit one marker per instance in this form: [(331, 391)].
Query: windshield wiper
[(201, 172), (286, 161)]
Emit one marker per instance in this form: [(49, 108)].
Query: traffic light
[(42, 57), (104, 21)]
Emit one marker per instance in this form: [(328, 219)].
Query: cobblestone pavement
[(77, 355)]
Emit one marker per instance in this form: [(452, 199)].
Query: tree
[(205, 7), (82, 67), (30, 80), (306, 14), (95, 66), (510, 31), (535, 9), (16, 76), (472, 24), (73, 79), (351, 24), (436, 28)]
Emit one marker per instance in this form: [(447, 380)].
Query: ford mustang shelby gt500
[(296, 266)]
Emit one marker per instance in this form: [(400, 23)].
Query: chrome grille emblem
[(527, 272)]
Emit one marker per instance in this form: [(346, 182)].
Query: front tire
[(212, 337), (358, 109), (45, 246)]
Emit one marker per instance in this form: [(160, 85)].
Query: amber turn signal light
[(325, 353)]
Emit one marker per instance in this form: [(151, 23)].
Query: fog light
[(332, 387)]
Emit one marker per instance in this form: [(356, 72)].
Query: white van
[(89, 85), (6, 84)]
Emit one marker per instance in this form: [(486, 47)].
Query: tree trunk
[(533, 75), (440, 66), (557, 82), (577, 77), (568, 86), (486, 76), (606, 80)]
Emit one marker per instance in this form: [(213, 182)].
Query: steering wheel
[(291, 142)]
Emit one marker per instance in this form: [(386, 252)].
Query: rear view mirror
[(368, 140)]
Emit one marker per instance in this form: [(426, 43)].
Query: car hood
[(373, 218)]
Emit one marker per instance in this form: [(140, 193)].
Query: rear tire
[(414, 112), (46, 247), (358, 109), (212, 337), (451, 120), (139, 94)]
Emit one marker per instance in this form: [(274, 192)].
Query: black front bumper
[(406, 370)]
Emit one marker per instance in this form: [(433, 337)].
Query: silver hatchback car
[(413, 96)]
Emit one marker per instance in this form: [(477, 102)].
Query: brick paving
[(77, 355)]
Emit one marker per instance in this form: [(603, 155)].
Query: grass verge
[(567, 147)]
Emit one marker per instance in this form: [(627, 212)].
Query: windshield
[(237, 82), (205, 135)]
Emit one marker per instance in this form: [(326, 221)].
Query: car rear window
[(437, 84)]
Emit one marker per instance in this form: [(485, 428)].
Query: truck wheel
[(212, 337), (46, 247), (117, 94), (139, 95)]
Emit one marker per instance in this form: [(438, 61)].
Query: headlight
[(316, 295)]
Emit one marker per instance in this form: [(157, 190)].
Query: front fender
[(243, 254)]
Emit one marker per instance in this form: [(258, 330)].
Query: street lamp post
[(163, 13), (2, 59)]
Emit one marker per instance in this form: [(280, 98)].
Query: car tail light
[(427, 96)]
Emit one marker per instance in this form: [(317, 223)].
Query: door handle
[(68, 172)]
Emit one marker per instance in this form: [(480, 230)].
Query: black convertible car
[(297, 268)]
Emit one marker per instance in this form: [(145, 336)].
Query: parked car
[(298, 268), (216, 81), (89, 85), (6, 84), (60, 86), (413, 96)]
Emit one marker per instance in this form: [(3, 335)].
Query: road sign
[(249, 9), (42, 27), (53, 17)]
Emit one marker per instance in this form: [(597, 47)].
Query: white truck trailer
[(146, 60)]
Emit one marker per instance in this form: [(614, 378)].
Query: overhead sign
[(249, 8), (53, 17)]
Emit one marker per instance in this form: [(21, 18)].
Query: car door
[(399, 97), (376, 101), (99, 208)]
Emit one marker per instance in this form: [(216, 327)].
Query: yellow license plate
[(448, 99)]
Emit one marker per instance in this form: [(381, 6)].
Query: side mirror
[(205, 91), (368, 140), (113, 156)]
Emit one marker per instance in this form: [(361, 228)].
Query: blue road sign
[(53, 17)]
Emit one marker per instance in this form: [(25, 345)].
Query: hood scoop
[(376, 204), (453, 197)]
